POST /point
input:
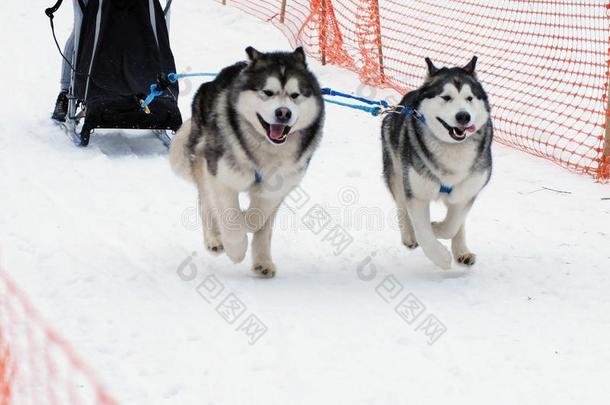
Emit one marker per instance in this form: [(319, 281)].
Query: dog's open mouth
[(276, 133), (457, 133)]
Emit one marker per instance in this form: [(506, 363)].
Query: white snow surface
[(95, 237)]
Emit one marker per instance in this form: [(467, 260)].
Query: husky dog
[(254, 128), (444, 155)]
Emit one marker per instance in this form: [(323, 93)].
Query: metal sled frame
[(80, 134), (75, 125)]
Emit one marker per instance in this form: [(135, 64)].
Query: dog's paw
[(236, 248), (439, 255), (410, 244), (264, 268), (214, 245), (467, 259), (408, 239)]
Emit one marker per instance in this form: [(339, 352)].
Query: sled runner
[(120, 49)]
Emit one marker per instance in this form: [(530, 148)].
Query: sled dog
[(254, 129), (442, 151)]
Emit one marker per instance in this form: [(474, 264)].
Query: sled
[(121, 48)]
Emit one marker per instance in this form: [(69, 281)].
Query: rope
[(374, 111), (174, 77), (157, 89), (330, 92), (49, 12), (163, 82)]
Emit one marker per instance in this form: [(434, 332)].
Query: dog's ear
[(432, 70), (253, 54), (471, 65), (299, 55)]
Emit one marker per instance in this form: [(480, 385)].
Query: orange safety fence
[(544, 62), (37, 367)]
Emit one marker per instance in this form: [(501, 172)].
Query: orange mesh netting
[(544, 62), (37, 367)]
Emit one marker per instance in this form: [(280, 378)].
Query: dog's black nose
[(283, 114), (462, 117)]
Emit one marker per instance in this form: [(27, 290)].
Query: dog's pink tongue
[(471, 128), (276, 132)]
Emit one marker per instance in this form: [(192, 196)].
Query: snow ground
[(95, 237)]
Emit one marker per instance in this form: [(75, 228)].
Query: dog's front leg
[(260, 211), (209, 220), (419, 211), (453, 228), (456, 215), (262, 264), (230, 220), (460, 250), (459, 203), (259, 219)]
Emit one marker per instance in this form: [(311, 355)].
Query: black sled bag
[(123, 47)]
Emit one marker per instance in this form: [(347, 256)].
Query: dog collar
[(410, 111), (446, 189), (258, 177)]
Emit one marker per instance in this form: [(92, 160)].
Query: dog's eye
[(446, 98), (267, 93), (469, 98), (294, 96)]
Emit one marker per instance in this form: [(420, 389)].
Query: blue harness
[(446, 189)]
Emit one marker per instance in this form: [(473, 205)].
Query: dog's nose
[(462, 117), (283, 114)]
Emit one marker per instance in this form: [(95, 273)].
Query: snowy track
[(97, 236)]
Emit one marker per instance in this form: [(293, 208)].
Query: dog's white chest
[(468, 188), (278, 172), (458, 161), (277, 179), (238, 180)]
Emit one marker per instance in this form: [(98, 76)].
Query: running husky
[(448, 157), (254, 128)]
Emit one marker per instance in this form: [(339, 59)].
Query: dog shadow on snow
[(372, 267), (408, 265)]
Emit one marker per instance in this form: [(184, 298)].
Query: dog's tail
[(179, 155)]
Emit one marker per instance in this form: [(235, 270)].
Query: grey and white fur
[(452, 148), (254, 129)]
